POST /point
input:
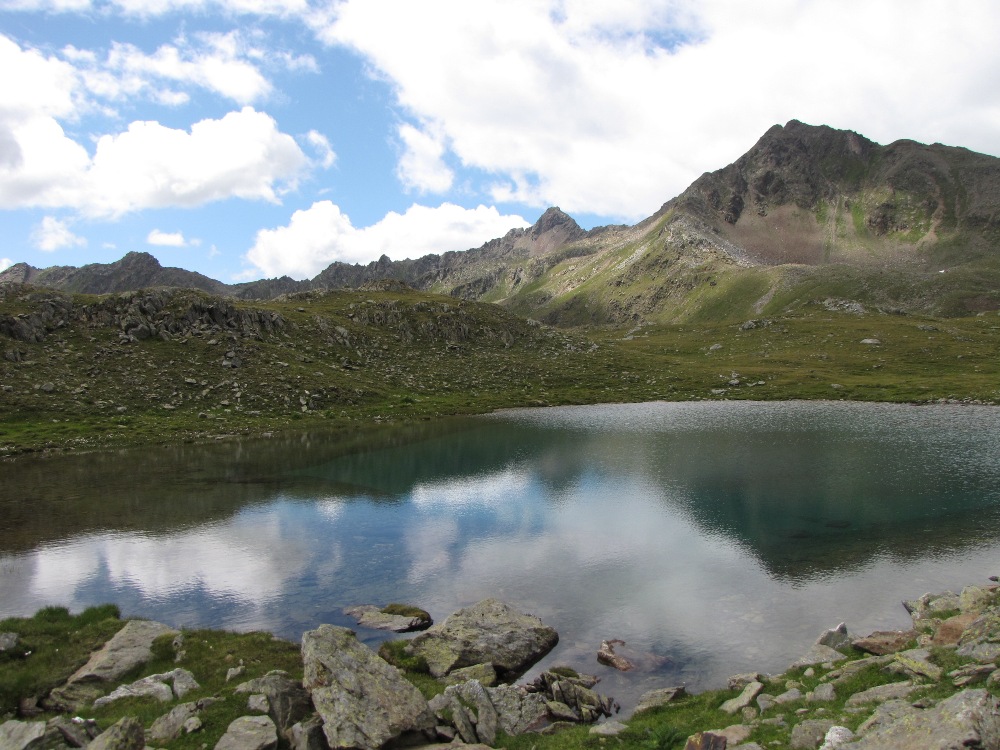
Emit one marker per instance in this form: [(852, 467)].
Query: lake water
[(714, 538)]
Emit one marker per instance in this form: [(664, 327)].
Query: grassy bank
[(345, 359)]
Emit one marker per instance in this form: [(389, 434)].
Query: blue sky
[(254, 138)]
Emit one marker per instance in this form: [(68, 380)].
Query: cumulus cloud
[(52, 234), (316, 237), (566, 102), (5, 263), (421, 166), (166, 239), (321, 145)]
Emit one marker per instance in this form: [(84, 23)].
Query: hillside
[(809, 213)]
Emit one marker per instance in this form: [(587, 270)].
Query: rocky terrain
[(808, 212), (934, 685)]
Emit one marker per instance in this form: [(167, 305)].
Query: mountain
[(809, 214)]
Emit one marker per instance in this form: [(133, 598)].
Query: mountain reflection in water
[(722, 537)]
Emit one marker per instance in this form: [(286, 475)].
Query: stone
[(192, 725), (288, 702), (17, 735), (518, 710), (258, 703), (170, 726), (885, 714), (885, 641), (836, 737), (363, 701), (129, 648), (490, 631), (485, 674), (734, 705), (882, 693), (153, 686), (233, 672), (928, 604), (71, 697), (851, 668), (74, 732), (765, 701), (249, 733), (981, 639), (871, 342), (969, 719), (734, 734), (949, 632), (308, 735), (660, 697), (608, 729), (606, 655), (474, 696), (975, 599), (740, 681), (823, 693), (914, 663), (8, 642), (970, 673), (809, 734), (561, 712), (818, 654), (836, 638), (789, 696), (370, 616), (705, 741), (127, 734)]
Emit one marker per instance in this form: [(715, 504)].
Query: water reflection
[(718, 536)]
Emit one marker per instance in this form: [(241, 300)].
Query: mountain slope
[(808, 214)]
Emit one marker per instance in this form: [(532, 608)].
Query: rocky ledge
[(931, 686)]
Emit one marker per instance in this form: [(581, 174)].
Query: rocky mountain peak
[(555, 218)]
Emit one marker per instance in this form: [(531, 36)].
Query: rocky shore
[(932, 686)]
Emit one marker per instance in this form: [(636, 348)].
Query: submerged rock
[(488, 632)]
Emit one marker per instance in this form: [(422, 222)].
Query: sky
[(249, 139)]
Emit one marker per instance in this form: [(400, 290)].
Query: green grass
[(53, 644)]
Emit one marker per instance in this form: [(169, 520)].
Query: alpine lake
[(711, 537)]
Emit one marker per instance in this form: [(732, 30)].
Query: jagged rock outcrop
[(488, 632), (363, 701)]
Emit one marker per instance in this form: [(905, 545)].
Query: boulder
[(170, 726), (915, 663), (836, 737), (484, 673), (661, 697), (490, 631), (518, 710), (824, 693), (818, 654), (164, 687), (127, 734), (129, 648), (363, 701), (308, 735), (883, 642), (981, 639), (249, 733), (970, 719), (287, 701), (744, 699), (881, 693), (836, 638), (949, 632), (608, 729), (16, 735), (705, 741), (810, 734)]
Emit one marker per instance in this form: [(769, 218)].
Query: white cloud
[(166, 239), (52, 234), (320, 144), (5, 263), (614, 110), (316, 237), (150, 8), (421, 166)]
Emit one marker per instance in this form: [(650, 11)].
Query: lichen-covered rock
[(170, 726), (485, 674), (883, 642), (127, 734), (744, 699), (249, 733), (363, 701), (810, 734), (490, 631), (970, 719), (377, 618), (129, 648), (16, 735), (662, 696), (288, 702), (519, 711), (164, 687)]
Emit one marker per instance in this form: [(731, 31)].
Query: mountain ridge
[(808, 210)]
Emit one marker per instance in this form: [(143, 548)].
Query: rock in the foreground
[(488, 632), (970, 719), (363, 701)]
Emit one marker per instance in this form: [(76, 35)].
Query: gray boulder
[(810, 734), (16, 735), (164, 687), (744, 699), (129, 648), (287, 701), (970, 719), (489, 631), (249, 733), (170, 726), (127, 734), (518, 710), (885, 641), (363, 701), (662, 696)]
